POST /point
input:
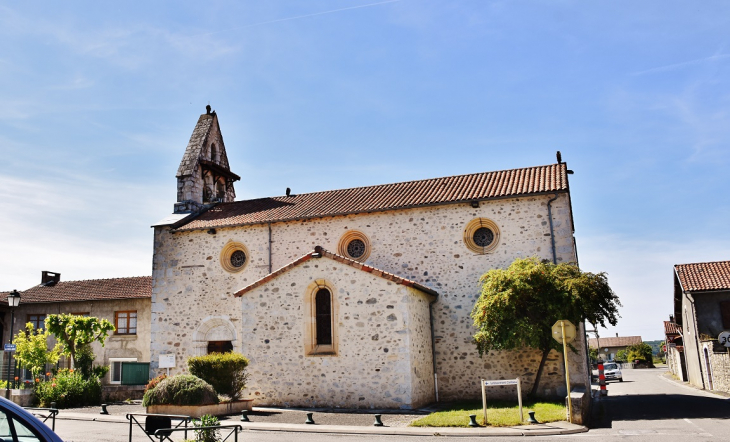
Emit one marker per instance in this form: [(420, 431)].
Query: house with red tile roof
[(609, 346), (357, 297), (123, 301), (702, 312), (674, 349)]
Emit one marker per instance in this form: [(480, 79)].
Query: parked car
[(18, 425), (612, 372)]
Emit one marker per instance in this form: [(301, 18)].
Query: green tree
[(593, 354), (641, 352), (32, 349), (519, 305), (76, 334), (622, 356)]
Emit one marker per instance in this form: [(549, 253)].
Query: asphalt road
[(645, 407)]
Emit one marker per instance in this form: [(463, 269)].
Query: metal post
[(484, 401), (10, 354), (567, 374), (519, 399)]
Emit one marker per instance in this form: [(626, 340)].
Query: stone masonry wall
[(381, 361), (422, 244), (720, 363)]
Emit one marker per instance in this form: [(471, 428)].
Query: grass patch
[(499, 413)]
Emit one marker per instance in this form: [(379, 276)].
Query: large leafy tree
[(32, 349), (76, 334), (519, 305)]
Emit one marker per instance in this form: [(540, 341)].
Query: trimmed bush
[(182, 389), (68, 389), (226, 372)]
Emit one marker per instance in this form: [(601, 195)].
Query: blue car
[(18, 425)]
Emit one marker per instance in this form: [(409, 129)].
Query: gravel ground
[(390, 418)]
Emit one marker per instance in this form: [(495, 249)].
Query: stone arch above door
[(214, 328)]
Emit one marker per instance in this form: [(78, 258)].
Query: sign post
[(167, 361), (564, 332), (495, 383)]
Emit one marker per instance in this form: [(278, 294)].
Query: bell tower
[(204, 177)]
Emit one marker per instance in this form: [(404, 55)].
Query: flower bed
[(222, 409)]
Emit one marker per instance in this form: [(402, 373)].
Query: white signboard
[(495, 383), (501, 382), (167, 361)]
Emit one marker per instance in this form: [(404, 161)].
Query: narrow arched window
[(323, 308), (213, 153)]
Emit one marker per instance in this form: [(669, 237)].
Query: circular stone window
[(354, 245), (234, 257), (481, 235)]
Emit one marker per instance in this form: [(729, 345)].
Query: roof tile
[(618, 341), (462, 188), (704, 276), (87, 290)]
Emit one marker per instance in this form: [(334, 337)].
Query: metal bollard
[(103, 409), (473, 420), (244, 416), (309, 419), (378, 421), (532, 419), (602, 379)]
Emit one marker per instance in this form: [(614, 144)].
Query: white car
[(612, 372)]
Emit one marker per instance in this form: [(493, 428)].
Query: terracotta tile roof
[(453, 189), (672, 328), (325, 254), (704, 276), (88, 290), (616, 341)]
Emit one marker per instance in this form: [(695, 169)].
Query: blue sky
[(97, 103)]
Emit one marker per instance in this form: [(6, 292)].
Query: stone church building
[(357, 298)]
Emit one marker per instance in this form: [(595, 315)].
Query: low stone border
[(222, 409)]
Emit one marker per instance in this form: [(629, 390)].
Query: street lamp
[(13, 301)]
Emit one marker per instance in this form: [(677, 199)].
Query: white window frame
[(111, 368)]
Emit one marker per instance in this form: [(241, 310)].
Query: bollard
[(103, 409), (309, 419), (244, 416), (378, 421), (532, 419), (602, 379), (473, 420), (53, 405)]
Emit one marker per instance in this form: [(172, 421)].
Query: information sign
[(167, 361), (9, 347), (497, 382)]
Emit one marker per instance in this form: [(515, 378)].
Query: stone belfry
[(204, 177)]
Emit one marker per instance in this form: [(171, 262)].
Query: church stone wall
[(422, 244), (382, 360)]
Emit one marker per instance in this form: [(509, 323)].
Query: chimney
[(49, 279), (671, 318), (617, 335)]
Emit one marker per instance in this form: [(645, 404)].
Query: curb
[(551, 429)]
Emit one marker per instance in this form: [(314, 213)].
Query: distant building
[(675, 349), (702, 310), (608, 347), (123, 301)]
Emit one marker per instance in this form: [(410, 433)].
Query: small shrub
[(153, 382), (206, 435), (181, 390), (69, 389), (226, 372)]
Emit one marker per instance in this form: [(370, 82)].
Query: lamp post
[(13, 301)]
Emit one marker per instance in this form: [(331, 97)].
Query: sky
[(97, 103)]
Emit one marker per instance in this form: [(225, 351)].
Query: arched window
[(323, 308), (320, 334)]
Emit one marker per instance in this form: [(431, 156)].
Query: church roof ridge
[(382, 197), (320, 252)]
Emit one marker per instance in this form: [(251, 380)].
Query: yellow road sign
[(569, 331)]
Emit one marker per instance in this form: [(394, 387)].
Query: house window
[(321, 327), (126, 322), (115, 369), (38, 321)]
